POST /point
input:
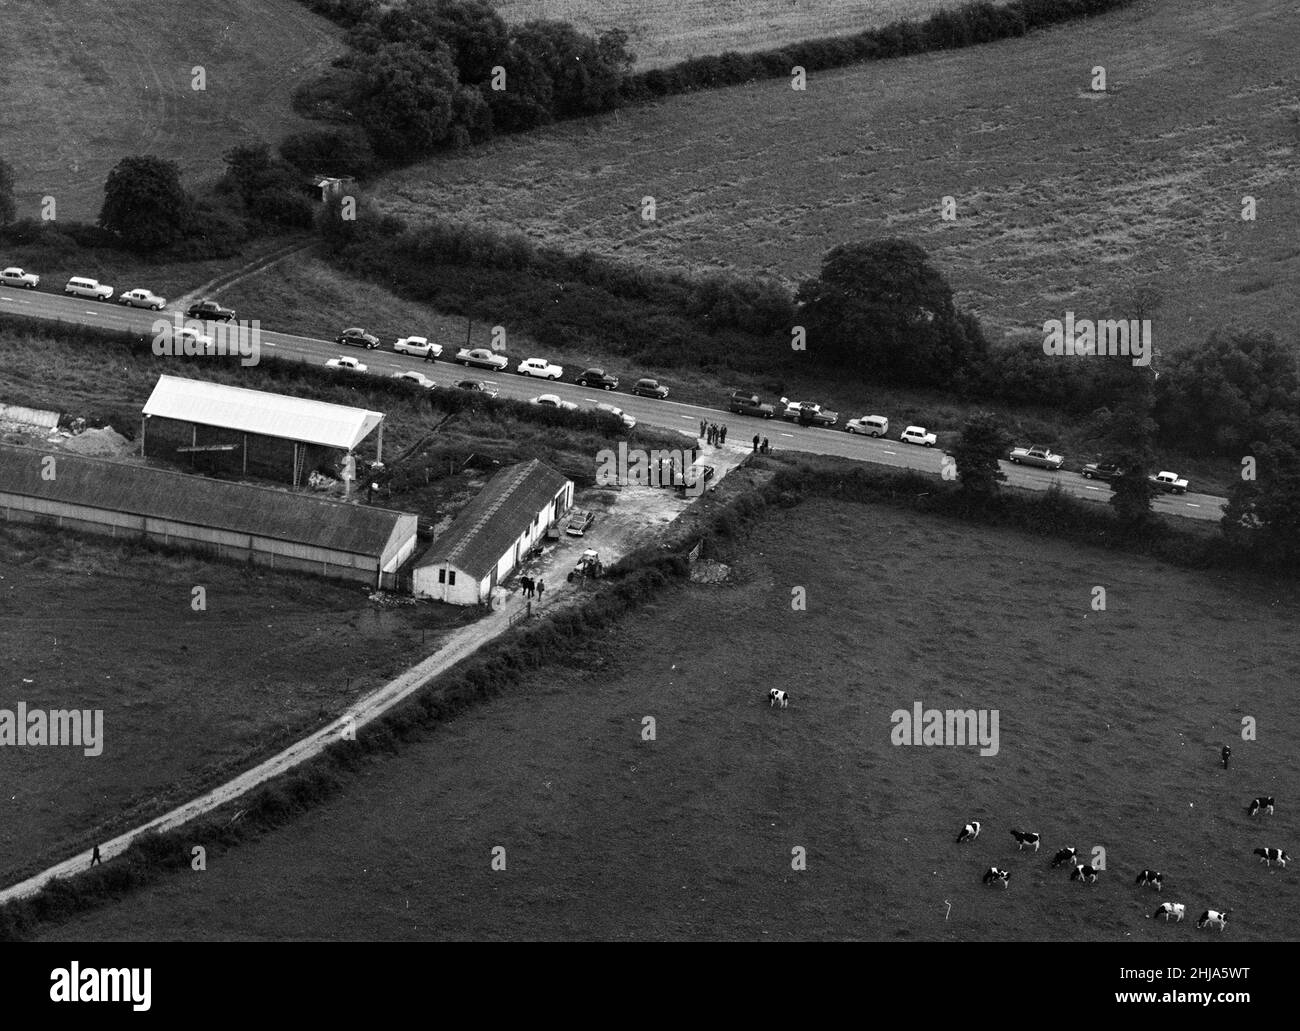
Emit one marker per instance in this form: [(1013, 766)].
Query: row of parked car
[(94, 290)]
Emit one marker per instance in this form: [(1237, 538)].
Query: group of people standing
[(761, 447), (712, 433), (532, 588)]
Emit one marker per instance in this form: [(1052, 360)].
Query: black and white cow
[(1066, 855), (1024, 838), (1213, 918), (1270, 856), (1151, 878), (995, 876), (777, 697), (1083, 873), (1167, 909), (1263, 804), (970, 832)]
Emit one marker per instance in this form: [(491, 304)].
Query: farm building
[(265, 525), (236, 431), (485, 542)]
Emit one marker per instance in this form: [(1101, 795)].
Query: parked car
[(80, 286), (143, 299), (806, 413), (345, 364), (1037, 456), (748, 404), (1170, 483), (418, 378), (418, 346), (580, 520), (1101, 471), (14, 276), (540, 368), (482, 358), (192, 340), (553, 401), (868, 425), (650, 388), (629, 423), (598, 378), (479, 385), (917, 435), (210, 311), (694, 474), (357, 337)]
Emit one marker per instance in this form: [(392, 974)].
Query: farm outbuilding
[(213, 427), (272, 527), (487, 540)]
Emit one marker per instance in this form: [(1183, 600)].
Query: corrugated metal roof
[(199, 501), (255, 411), (490, 524)]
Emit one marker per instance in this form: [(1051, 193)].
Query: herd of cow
[(1086, 874)]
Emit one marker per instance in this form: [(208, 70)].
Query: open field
[(88, 83), (1066, 198), (663, 32), (188, 697), (1110, 725)]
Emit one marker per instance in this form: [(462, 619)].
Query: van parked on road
[(79, 286)]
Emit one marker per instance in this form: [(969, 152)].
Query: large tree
[(1263, 513), (406, 99), (144, 203), (982, 444), (1128, 432), (882, 310)]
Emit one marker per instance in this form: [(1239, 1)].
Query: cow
[(1066, 855), (1151, 878), (1168, 909), (970, 832), (1225, 755), (1024, 838), (777, 697), (1263, 804), (1269, 856), (995, 876), (1213, 918), (1086, 874)]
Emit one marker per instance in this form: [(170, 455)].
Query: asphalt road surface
[(673, 415)]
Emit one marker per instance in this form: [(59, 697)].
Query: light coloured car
[(868, 425), (345, 364), (628, 421), (1170, 483), (417, 346), (82, 286), (143, 299), (192, 341), (540, 368), (648, 387), (417, 378), (917, 435), (14, 276), (553, 401)]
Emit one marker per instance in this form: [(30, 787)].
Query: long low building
[(486, 541), (276, 528)]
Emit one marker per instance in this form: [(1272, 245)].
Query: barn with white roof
[(212, 427)]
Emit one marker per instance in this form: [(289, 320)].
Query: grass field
[(88, 83), (666, 31), (1066, 198), (1110, 726)]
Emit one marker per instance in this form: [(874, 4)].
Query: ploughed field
[(1109, 729), (1066, 198)]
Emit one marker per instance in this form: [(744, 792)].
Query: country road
[(669, 414)]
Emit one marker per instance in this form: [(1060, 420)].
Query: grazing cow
[(1263, 804), (1154, 878), (1066, 855), (995, 876), (1270, 856), (970, 832), (1168, 909), (775, 697), (1214, 918), (1024, 838), (1225, 755), (1086, 874)]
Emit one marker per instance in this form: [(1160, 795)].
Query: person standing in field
[(95, 857)]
